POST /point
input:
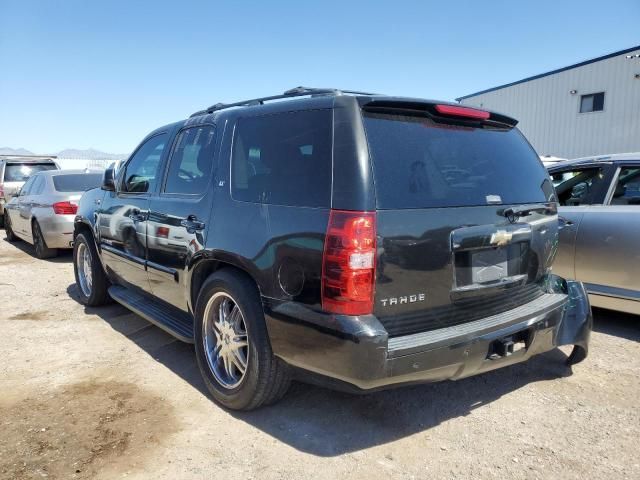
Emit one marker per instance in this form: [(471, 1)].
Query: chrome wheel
[(83, 265), (225, 338)]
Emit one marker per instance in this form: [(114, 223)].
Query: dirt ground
[(100, 393)]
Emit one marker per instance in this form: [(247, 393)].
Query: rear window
[(283, 159), (78, 182), (20, 172), (420, 164)]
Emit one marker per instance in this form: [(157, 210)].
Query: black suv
[(353, 239)]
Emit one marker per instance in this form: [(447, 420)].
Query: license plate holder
[(489, 265)]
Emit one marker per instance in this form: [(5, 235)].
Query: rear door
[(18, 209), (29, 202), (177, 215), (449, 252)]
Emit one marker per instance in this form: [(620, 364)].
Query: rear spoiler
[(440, 112)]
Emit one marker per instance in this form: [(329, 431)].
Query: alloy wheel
[(226, 340), (83, 266)]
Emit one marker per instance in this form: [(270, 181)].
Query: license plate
[(489, 265)]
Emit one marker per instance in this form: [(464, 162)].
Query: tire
[(96, 292), (39, 243), (11, 237), (266, 378)]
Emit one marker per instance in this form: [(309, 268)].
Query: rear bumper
[(356, 353), (57, 230)]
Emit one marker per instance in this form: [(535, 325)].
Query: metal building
[(590, 108)]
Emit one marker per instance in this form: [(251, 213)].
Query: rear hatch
[(466, 215)]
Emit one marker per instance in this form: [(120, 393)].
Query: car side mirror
[(108, 179)]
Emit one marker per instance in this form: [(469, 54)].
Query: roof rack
[(294, 92)]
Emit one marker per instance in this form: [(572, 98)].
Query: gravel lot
[(100, 393)]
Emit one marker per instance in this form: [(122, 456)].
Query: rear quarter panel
[(89, 207)]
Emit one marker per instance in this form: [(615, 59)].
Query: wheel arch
[(204, 267), (79, 227)]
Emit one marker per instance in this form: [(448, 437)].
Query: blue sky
[(102, 74)]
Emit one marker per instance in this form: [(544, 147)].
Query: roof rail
[(294, 92)]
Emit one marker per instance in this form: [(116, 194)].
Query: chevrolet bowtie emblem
[(501, 237)]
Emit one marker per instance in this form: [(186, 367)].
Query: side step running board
[(167, 317)]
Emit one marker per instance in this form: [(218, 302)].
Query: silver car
[(600, 228), (44, 210), (14, 172)]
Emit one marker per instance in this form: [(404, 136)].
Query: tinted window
[(191, 161), (578, 187), (141, 171), (419, 164), (283, 159), (80, 182), (20, 172), (627, 191), (593, 102), (38, 185)]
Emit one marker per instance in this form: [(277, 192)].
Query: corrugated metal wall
[(549, 115)]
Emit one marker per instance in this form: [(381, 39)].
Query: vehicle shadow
[(64, 255), (328, 423), (619, 324)]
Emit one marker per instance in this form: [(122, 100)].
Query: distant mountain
[(70, 153), (14, 151)]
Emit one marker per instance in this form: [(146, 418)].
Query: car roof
[(299, 98), (18, 159), (613, 158), (306, 99)]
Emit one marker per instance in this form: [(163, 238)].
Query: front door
[(578, 189), (177, 215), (123, 217), (607, 253)]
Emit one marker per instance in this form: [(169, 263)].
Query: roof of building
[(552, 72)]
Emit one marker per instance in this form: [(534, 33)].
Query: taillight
[(162, 232), (348, 263), (65, 208), (456, 111)]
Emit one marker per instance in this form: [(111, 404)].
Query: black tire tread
[(10, 235), (46, 251), (100, 283), (274, 378)]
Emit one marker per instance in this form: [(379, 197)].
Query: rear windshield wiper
[(515, 212)]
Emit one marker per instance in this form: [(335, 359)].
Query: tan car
[(599, 216)]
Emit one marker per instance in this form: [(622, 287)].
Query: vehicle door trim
[(615, 292), (612, 186), (125, 255), (167, 164)]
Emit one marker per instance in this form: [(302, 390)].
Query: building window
[(594, 102)]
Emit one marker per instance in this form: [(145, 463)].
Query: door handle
[(192, 224)]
